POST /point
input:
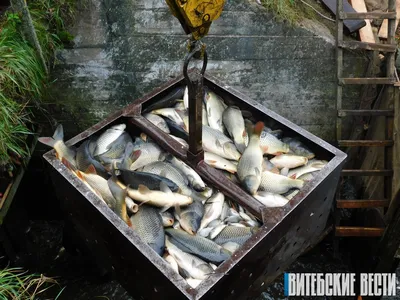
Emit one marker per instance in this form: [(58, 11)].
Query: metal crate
[(285, 234)]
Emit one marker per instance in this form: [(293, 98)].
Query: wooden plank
[(365, 112), (366, 33), (356, 45), (339, 67), (365, 143), (368, 15), (383, 31), (359, 231), (396, 157), (361, 172), (351, 25), (367, 80), (361, 203)]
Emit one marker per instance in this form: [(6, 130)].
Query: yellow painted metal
[(196, 16)]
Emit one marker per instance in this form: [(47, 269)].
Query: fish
[(298, 148), (191, 264), (147, 224), (231, 246), (171, 114), (177, 130), (186, 98), (250, 164), (99, 184), (131, 206), (204, 118), (157, 121), (152, 181), (278, 184), (219, 162), (164, 199), (182, 141), (119, 195), (289, 161), (172, 261), (105, 140), (166, 169), (231, 177), (276, 133), (238, 235), (218, 143), (116, 150), (167, 219), (269, 166), (234, 123), (194, 179), (306, 177), (167, 101), (194, 283), (215, 223), (216, 230), (215, 107), (190, 216), (184, 114), (205, 231), (271, 145), (212, 209), (224, 211), (311, 166), (270, 199), (145, 154), (57, 142), (208, 192), (290, 194), (84, 159), (197, 245)]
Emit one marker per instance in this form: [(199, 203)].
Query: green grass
[(15, 284), (23, 78)]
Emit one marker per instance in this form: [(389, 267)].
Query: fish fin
[(264, 149), (80, 175), (258, 128), (258, 172), (91, 170), (277, 153), (218, 143), (59, 133), (178, 210), (164, 188), (68, 164), (144, 202), (232, 171), (244, 133), (293, 176), (143, 189), (211, 162), (49, 141), (135, 155), (284, 171)]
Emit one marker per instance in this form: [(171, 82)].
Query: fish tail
[(48, 141), (258, 128)]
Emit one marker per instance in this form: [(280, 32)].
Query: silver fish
[(212, 209), (298, 147), (63, 152), (84, 159), (116, 149), (145, 154), (194, 179), (219, 162), (158, 121), (147, 224), (205, 231), (105, 140), (231, 246), (234, 123), (119, 195), (192, 265), (250, 164), (217, 230), (270, 199), (278, 184), (311, 166), (289, 161), (167, 219), (172, 261), (169, 113), (269, 166), (180, 105), (197, 245), (235, 234), (271, 145), (190, 217), (216, 142), (290, 194), (215, 107)]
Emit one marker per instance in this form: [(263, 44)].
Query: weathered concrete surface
[(124, 49)]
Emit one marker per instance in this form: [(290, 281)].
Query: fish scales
[(234, 234), (167, 170)]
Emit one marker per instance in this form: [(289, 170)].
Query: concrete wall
[(123, 49)]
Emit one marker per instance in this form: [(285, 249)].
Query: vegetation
[(15, 284), (23, 77)]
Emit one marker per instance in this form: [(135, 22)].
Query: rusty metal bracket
[(194, 83)]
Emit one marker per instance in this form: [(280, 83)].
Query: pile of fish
[(269, 166), (193, 226)]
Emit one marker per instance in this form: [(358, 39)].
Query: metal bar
[(360, 172), (367, 80), (359, 231), (339, 65), (367, 15), (365, 112), (354, 45), (361, 203), (365, 143)]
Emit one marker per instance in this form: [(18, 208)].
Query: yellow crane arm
[(196, 16)]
